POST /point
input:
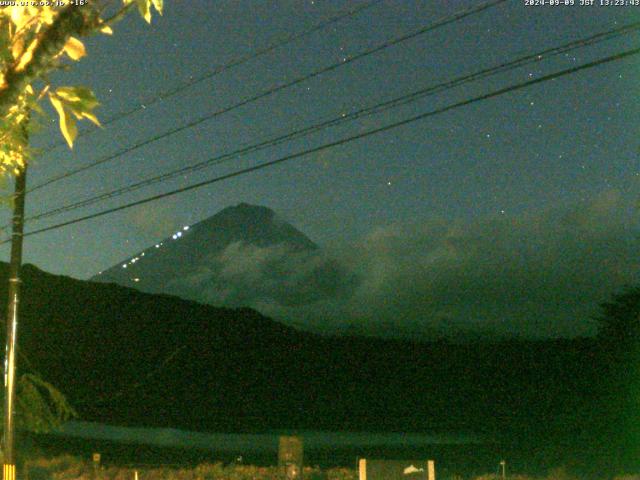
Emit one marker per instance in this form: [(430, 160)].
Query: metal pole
[(9, 470)]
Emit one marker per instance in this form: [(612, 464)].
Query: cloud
[(535, 274), (540, 273), (246, 274)]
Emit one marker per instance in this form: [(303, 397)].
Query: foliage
[(619, 322), (73, 468), (68, 468), (36, 40), (40, 407), (619, 376)]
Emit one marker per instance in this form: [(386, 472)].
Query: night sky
[(516, 214)]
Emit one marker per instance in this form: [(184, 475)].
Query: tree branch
[(73, 20)]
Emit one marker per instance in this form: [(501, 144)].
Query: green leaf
[(82, 95), (159, 5), (67, 122), (74, 48), (106, 29), (80, 101), (144, 9)]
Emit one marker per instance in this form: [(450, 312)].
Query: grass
[(68, 467), (72, 468)]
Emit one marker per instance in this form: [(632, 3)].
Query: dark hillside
[(131, 358)]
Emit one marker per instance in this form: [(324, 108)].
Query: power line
[(377, 108), (223, 68), (343, 141), (445, 21)]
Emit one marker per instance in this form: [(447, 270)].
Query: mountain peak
[(256, 225), (247, 208), (198, 248), (243, 213)]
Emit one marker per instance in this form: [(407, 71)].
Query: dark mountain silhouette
[(128, 357), (125, 357), (189, 263)]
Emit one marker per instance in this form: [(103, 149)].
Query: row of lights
[(178, 234), (175, 236)]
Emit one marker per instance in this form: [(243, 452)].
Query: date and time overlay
[(41, 3), (527, 3), (581, 3)]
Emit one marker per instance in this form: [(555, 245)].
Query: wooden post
[(362, 469), (431, 470), (290, 457)]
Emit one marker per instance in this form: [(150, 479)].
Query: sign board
[(290, 459), (396, 469)]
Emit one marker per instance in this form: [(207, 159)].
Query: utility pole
[(9, 468)]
